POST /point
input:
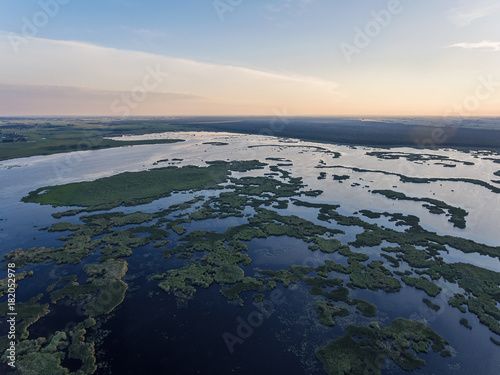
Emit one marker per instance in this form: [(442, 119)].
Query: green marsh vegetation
[(420, 180), (482, 290), (340, 178), (465, 323), (401, 342), (208, 259), (4, 287), (45, 355), (327, 310), (216, 143), (434, 206), (134, 188), (389, 155), (414, 234), (54, 136), (422, 283), (28, 313), (103, 291), (481, 285), (431, 305)]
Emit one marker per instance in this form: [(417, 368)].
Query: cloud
[(146, 33), (485, 45), (466, 14), (67, 100), (292, 6), (81, 66)]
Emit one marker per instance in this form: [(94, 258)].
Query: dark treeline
[(460, 133)]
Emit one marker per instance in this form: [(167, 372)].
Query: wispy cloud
[(277, 8), (146, 33), (281, 5), (485, 45), (469, 12), (67, 100), (50, 63)]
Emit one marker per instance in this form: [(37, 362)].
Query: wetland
[(380, 271)]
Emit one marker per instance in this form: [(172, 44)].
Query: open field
[(232, 235), (22, 137), (52, 136)]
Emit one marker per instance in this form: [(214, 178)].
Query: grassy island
[(389, 155), (103, 291), (134, 188), (219, 258), (401, 341), (434, 206), (327, 310)]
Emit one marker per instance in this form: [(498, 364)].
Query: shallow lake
[(153, 330)]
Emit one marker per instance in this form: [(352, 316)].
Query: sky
[(250, 57)]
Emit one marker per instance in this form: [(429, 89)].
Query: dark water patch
[(156, 335), (278, 252)]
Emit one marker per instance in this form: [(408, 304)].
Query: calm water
[(153, 332)]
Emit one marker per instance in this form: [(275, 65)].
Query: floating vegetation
[(134, 188), (390, 155), (228, 274), (180, 230), (465, 323), (367, 309), (327, 310), (182, 281), (431, 305), (435, 206), (401, 341), (424, 284), (326, 245), (482, 287), (341, 178), (216, 143), (420, 180), (245, 285), (44, 356), (200, 259), (4, 284), (103, 291), (28, 313)]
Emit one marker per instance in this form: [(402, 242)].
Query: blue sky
[(250, 56)]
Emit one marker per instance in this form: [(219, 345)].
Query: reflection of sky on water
[(22, 222)]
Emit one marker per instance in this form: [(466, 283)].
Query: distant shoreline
[(50, 135)]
